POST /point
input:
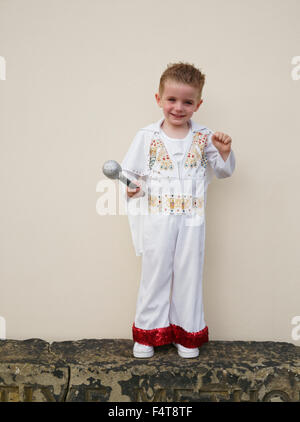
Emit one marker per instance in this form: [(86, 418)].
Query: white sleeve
[(220, 168), (137, 158), (135, 165), (135, 209)]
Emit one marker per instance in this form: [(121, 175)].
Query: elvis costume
[(168, 229)]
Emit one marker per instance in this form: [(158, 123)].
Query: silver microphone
[(113, 170)]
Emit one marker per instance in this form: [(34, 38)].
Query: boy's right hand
[(135, 192)]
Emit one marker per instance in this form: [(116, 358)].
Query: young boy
[(173, 161)]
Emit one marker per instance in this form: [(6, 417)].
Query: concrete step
[(105, 370)]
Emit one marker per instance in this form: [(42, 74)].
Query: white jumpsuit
[(168, 230)]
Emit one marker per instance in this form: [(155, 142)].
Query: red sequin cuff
[(171, 334), (187, 339), (155, 337)]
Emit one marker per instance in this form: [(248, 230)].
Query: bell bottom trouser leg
[(169, 304)]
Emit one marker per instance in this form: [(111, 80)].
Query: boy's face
[(179, 102)]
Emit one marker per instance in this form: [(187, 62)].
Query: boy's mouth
[(177, 116)]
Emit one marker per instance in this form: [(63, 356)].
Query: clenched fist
[(135, 192), (223, 143)]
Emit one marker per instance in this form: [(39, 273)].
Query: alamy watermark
[(296, 330), (2, 69), (2, 78), (2, 328), (156, 197), (295, 74)]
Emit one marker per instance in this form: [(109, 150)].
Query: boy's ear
[(199, 104), (157, 97)]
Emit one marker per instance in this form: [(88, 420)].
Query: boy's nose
[(178, 106)]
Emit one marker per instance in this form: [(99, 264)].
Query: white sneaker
[(142, 351), (186, 352)]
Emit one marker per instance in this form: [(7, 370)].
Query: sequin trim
[(170, 334), (187, 339), (155, 337)]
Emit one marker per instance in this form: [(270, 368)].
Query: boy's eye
[(187, 102)]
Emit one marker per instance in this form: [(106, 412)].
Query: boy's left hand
[(223, 143)]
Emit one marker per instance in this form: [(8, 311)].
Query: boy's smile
[(179, 102)]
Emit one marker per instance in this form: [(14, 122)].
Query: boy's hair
[(183, 73)]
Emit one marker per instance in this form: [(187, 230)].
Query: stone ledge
[(105, 370)]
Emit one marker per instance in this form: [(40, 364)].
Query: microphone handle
[(127, 182)]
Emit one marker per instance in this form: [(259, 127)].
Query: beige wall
[(80, 81)]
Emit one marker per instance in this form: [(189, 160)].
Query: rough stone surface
[(105, 370)]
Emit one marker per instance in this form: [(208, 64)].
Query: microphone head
[(112, 169)]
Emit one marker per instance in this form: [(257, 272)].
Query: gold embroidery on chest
[(196, 153), (159, 153)]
